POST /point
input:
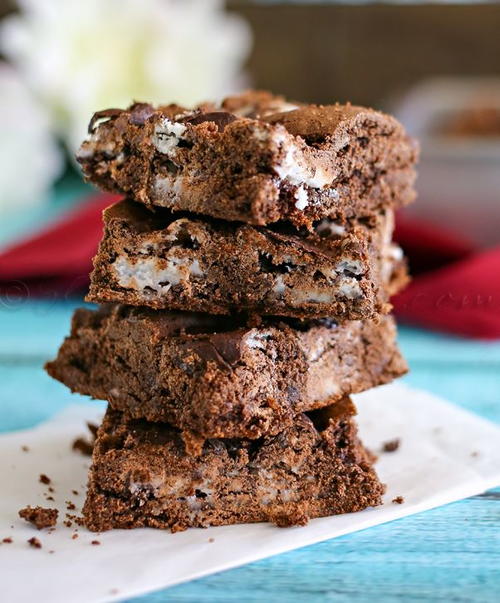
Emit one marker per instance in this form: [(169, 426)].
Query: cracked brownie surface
[(142, 476), (254, 158), (221, 376)]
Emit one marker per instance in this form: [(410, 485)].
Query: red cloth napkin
[(455, 289), (57, 260)]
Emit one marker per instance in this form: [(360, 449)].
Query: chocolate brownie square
[(254, 158), (162, 260), (222, 376), (142, 475)]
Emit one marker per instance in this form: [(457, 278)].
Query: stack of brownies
[(245, 283)]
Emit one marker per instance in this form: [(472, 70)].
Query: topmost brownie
[(254, 158)]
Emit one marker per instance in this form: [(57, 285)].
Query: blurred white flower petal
[(81, 57), (29, 156)]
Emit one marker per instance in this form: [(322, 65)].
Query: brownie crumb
[(35, 543), (25, 448), (51, 552), (211, 540), (70, 506), (84, 446), (474, 453), (67, 523), (95, 542), (49, 498), (44, 479), (75, 492), (39, 516), (399, 500), (7, 540), (74, 536), (391, 445), (51, 489)]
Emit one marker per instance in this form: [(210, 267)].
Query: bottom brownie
[(141, 475)]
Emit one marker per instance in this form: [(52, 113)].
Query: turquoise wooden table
[(448, 554)]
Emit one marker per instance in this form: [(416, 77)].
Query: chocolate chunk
[(105, 114), (139, 113), (208, 352), (220, 118)]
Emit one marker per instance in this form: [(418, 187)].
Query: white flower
[(81, 56), (29, 157)]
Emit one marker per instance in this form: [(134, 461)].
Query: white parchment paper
[(445, 454)]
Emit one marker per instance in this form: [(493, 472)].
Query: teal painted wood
[(448, 554)]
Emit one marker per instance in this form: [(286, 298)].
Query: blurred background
[(436, 66)]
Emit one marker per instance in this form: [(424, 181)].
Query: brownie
[(222, 376), (142, 476), (164, 261), (254, 158)]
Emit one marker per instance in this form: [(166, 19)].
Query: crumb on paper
[(83, 445), (74, 492), (35, 543), (211, 540), (7, 540), (70, 506), (74, 536), (25, 448), (95, 542), (40, 517), (44, 479), (399, 500), (67, 523), (474, 453), (391, 445)]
